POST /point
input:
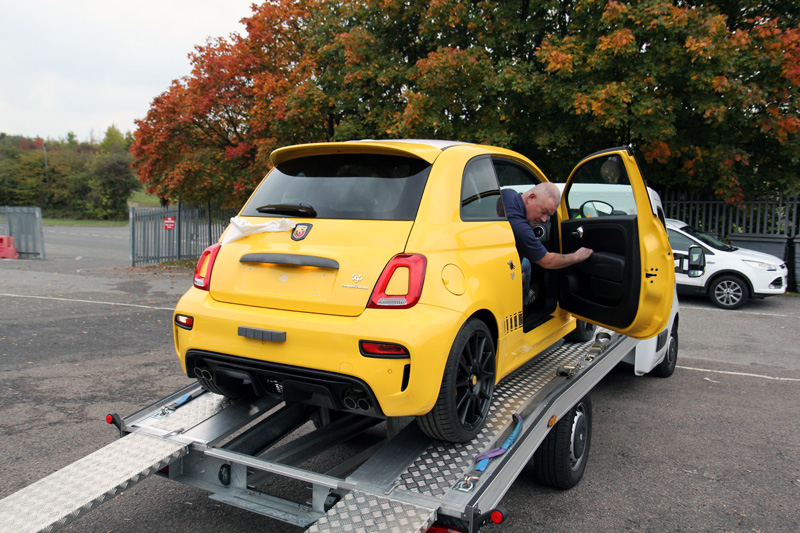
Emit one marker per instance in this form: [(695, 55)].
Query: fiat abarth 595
[(393, 287)]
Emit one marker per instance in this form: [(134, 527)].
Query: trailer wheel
[(561, 458), (583, 332), (467, 387), (665, 368)]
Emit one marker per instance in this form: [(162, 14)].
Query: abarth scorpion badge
[(301, 231)]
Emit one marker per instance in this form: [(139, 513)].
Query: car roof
[(675, 223)]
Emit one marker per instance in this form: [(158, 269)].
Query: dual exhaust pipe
[(353, 399)]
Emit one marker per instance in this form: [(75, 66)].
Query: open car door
[(627, 284)]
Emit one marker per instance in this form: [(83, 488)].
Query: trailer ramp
[(52, 502), (63, 496)]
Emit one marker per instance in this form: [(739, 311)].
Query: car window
[(480, 195), (513, 175), (601, 188), (678, 241), (707, 239), (343, 186)]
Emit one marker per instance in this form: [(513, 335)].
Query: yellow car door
[(628, 283)]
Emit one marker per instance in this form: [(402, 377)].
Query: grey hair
[(546, 190)]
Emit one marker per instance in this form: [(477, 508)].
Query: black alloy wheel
[(467, 386)]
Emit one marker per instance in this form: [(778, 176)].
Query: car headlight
[(762, 266)]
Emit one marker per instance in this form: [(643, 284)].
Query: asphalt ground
[(716, 447)]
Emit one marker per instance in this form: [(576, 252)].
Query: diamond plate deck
[(63, 496), (361, 512), (443, 464), (188, 415)]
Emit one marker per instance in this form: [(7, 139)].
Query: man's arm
[(553, 261)]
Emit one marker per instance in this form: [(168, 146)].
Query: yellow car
[(382, 278)]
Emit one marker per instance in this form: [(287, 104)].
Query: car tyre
[(666, 368), (583, 332), (467, 386), (728, 292), (561, 458)]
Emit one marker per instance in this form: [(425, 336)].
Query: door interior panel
[(607, 284)]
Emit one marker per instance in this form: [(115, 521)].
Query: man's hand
[(582, 254), (555, 261)]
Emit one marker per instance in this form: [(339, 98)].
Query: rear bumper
[(316, 358), (293, 384)]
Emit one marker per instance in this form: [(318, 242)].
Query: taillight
[(400, 284), (385, 350), (184, 321), (202, 272)]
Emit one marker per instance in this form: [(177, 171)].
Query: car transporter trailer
[(405, 481)]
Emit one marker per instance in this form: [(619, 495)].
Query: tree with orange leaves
[(706, 92), (210, 134)]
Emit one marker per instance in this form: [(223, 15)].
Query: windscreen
[(342, 186), (705, 238)]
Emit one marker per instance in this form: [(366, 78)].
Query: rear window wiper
[(288, 209)]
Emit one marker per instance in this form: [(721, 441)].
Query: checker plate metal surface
[(361, 512), (443, 464), (63, 496), (188, 415)]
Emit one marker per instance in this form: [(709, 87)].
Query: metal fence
[(25, 225), (774, 215), (175, 233)]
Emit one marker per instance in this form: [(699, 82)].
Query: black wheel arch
[(488, 318), (734, 273)]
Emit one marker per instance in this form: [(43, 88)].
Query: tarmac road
[(716, 447)]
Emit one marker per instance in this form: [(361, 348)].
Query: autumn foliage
[(706, 92)]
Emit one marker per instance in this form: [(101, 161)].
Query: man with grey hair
[(523, 211)]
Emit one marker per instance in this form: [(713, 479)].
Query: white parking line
[(737, 373), (88, 301), (738, 312)]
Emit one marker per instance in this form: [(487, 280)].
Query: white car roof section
[(435, 143)]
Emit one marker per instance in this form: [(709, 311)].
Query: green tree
[(76, 180), (114, 141), (111, 182)]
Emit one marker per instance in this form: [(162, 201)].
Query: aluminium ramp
[(63, 496)]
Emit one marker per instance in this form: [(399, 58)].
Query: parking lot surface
[(716, 447)]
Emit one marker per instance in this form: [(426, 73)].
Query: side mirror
[(697, 262), (596, 208)]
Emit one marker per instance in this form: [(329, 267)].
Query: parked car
[(732, 275), (396, 289)]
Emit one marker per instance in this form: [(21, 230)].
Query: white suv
[(731, 276)]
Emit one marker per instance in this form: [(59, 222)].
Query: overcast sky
[(83, 65)]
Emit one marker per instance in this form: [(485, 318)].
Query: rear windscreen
[(348, 186)]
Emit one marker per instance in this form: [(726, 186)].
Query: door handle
[(578, 232)]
